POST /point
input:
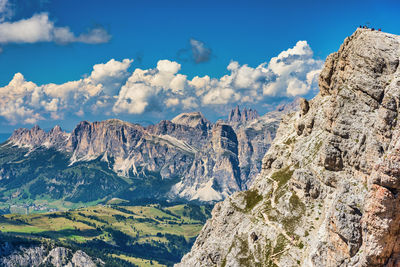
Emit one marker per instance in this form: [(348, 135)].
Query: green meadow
[(151, 235)]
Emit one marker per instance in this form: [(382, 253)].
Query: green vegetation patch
[(290, 141), (252, 198), (280, 245), (282, 176)]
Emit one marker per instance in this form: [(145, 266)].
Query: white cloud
[(166, 66), (94, 36), (23, 101), (294, 71), (112, 75), (171, 102), (39, 28), (190, 103), (134, 98), (32, 30), (219, 96), (17, 99), (112, 89), (145, 89)]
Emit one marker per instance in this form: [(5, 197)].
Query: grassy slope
[(42, 180), (135, 234)]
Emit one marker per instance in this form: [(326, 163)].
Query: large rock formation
[(44, 255), (328, 194), (237, 116), (204, 161)]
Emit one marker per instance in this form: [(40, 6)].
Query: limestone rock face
[(328, 193), (205, 161), (37, 137), (193, 119), (33, 256)]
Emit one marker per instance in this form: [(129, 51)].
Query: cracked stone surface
[(328, 193)]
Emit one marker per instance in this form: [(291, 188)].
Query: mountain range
[(327, 191), (188, 158)]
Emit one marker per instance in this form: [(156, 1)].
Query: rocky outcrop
[(207, 161), (255, 136), (328, 194), (237, 116), (37, 137), (193, 119), (42, 255)]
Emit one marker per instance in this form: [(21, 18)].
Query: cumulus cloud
[(145, 89), (39, 28), (110, 88), (27, 102), (111, 75), (294, 71), (200, 52), (17, 99)]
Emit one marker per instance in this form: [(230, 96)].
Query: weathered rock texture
[(205, 161), (328, 194), (22, 256)]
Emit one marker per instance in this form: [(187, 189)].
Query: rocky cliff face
[(37, 137), (208, 161), (328, 194), (255, 134), (43, 255)]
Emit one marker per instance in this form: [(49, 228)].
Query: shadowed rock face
[(211, 161), (328, 194)]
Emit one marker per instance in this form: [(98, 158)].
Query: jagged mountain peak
[(238, 116), (192, 119), (36, 128), (211, 161), (56, 129), (35, 137), (328, 194)]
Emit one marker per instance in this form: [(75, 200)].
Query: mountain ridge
[(200, 160)]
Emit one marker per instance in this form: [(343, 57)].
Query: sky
[(64, 61)]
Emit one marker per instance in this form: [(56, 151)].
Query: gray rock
[(42, 255), (334, 200), (211, 160)]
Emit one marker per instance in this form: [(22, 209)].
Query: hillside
[(113, 234), (328, 194)]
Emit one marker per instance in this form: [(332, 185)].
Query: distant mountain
[(187, 158), (237, 116)]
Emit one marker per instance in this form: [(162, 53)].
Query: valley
[(119, 235)]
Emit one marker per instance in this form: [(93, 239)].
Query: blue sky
[(247, 32)]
